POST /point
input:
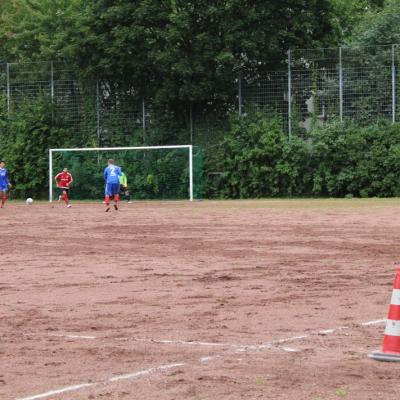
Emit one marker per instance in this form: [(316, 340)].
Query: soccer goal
[(153, 172)]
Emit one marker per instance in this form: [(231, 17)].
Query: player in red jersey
[(63, 181)]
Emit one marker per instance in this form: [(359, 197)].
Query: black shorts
[(62, 190)]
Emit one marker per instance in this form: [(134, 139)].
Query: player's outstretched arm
[(72, 179), (8, 180)]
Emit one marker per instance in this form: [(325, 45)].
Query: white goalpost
[(189, 148)]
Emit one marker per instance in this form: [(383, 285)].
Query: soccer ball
[(29, 201)]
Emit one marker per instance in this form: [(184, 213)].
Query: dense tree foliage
[(378, 26), (175, 50), (38, 30), (348, 14)]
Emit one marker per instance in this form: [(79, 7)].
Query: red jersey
[(64, 179)]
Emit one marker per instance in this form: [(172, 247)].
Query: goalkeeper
[(123, 187)]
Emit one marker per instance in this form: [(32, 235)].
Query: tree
[(176, 51), (347, 15), (39, 30), (378, 26), (190, 51)]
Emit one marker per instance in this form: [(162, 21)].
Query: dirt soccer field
[(203, 301)]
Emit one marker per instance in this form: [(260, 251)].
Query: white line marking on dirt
[(206, 359), (286, 340), (80, 337), (58, 391), (307, 336), (63, 335), (376, 322), (188, 343), (329, 331), (290, 349), (113, 379), (239, 348), (242, 350), (148, 371)]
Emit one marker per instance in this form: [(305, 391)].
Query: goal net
[(153, 172)]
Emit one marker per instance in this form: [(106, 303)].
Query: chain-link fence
[(357, 83), (360, 83), (114, 111), (105, 108)]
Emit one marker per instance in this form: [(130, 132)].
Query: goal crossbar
[(189, 147)]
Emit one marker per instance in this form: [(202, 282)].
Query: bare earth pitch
[(201, 301)]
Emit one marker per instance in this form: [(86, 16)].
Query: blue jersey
[(112, 174), (3, 179)]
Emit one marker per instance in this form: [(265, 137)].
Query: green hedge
[(25, 137), (348, 160), (257, 160), (339, 159)]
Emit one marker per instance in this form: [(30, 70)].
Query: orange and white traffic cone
[(391, 340)]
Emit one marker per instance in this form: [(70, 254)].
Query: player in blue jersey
[(111, 175), (4, 183)]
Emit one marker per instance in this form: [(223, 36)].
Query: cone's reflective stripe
[(392, 328), (395, 297)]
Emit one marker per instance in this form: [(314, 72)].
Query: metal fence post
[(52, 80), (98, 111), (8, 86), (52, 88), (240, 92), (340, 85), (290, 94), (144, 120), (393, 84), (191, 123)]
